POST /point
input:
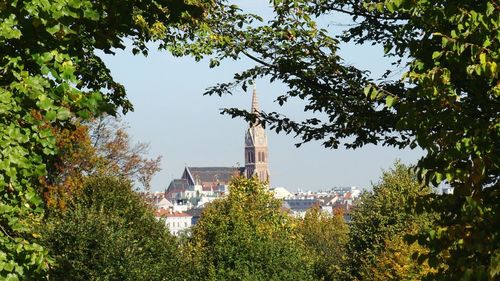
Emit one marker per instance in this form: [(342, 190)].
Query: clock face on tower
[(260, 140)]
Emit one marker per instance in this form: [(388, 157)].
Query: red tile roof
[(169, 213)]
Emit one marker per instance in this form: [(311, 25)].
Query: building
[(197, 183), (195, 214), (202, 184), (174, 188), (280, 192), (186, 196), (256, 147), (175, 221), (337, 200), (210, 180), (299, 206), (164, 204)]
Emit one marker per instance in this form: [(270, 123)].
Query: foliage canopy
[(246, 236), (109, 232), (325, 236), (446, 100), (95, 147), (381, 221), (49, 75)]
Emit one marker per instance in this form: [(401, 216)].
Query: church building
[(213, 181), (256, 150)]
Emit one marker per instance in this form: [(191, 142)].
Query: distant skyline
[(186, 128)]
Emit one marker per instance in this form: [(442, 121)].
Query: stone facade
[(256, 147)]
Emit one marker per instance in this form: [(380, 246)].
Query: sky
[(187, 129)]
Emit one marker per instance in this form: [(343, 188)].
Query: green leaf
[(374, 94), (390, 100), (482, 58), (398, 3), (486, 43), (436, 54), (490, 9), (12, 277), (9, 266), (367, 90), (67, 70), (493, 69), (8, 29), (444, 41), (44, 103), (390, 6), (53, 29), (51, 115), (91, 14), (63, 113), (76, 4)]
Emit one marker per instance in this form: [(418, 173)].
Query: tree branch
[(257, 59)]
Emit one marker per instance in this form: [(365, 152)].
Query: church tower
[(256, 152)]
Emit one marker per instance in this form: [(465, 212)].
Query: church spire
[(255, 107), (256, 150), (255, 101)]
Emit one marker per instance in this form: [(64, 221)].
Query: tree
[(109, 233), (381, 221), (246, 236), (96, 147), (50, 75), (326, 237), (119, 156), (76, 159), (396, 261), (446, 101)]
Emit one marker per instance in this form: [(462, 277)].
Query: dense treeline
[(445, 101), (101, 229), (108, 232)]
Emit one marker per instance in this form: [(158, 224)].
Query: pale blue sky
[(185, 127)]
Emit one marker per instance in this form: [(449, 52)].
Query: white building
[(175, 221), (281, 192), (299, 206)]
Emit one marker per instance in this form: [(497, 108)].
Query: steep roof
[(164, 203), (210, 175), (177, 185)]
